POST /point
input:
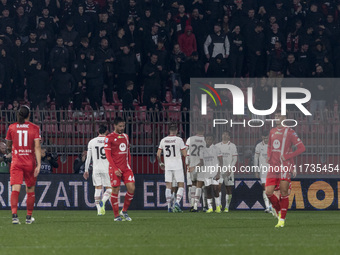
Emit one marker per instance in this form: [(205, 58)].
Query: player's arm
[(9, 146), (107, 148), (300, 147), (37, 150), (87, 162), (269, 149), (220, 164), (159, 158)]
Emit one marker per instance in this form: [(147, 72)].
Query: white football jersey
[(261, 150), (228, 151), (172, 147), (210, 158), (194, 145), (96, 152)]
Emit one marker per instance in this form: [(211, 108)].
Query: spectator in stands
[(48, 161), (21, 23), (128, 67), (79, 163), (79, 74), (51, 23), (34, 50), (255, 54), (119, 41), (7, 73), (181, 19), (192, 68), (187, 42), (63, 85), (82, 23), (95, 83), (133, 38), (128, 97), (151, 39), (217, 43), (59, 55), (106, 56), (276, 65), (152, 78), (304, 59), (237, 48), (45, 37), (70, 37), (37, 85), (292, 68), (218, 67), (272, 37), (176, 61), (198, 25)]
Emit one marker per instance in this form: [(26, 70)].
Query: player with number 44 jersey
[(117, 150)]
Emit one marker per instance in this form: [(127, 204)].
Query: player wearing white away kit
[(100, 175), (260, 160), (229, 153), (194, 146), (209, 167), (173, 149)]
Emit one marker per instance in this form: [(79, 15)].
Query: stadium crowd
[(70, 50)]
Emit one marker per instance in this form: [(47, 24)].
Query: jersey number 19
[(100, 152)]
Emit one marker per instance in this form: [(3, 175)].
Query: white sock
[(197, 197), (217, 201), (168, 197), (189, 193), (193, 194), (107, 195), (210, 203), (179, 195), (227, 201), (220, 196), (204, 197), (97, 193), (266, 200)]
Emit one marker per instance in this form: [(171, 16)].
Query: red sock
[(114, 203), (127, 201), (275, 202), (30, 202), (284, 202), (14, 201)]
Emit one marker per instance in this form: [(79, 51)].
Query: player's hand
[(162, 166), (86, 175), (217, 177), (191, 169), (294, 174), (118, 173), (37, 171)]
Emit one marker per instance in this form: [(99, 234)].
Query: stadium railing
[(67, 133)]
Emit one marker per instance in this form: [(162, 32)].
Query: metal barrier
[(67, 134)]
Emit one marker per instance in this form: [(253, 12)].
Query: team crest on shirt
[(276, 144), (106, 140), (122, 147), (114, 182)]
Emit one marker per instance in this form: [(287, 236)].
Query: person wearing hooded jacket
[(187, 42)]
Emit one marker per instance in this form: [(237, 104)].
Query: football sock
[(284, 202), (14, 201), (173, 195), (210, 203), (217, 201), (168, 197), (220, 196), (227, 200), (30, 202), (197, 197), (114, 203), (265, 199), (97, 193), (179, 195), (192, 195), (127, 201), (275, 202), (107, 195), (189, 194)]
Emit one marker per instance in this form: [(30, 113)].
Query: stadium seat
[(141, 113), (110, 112), (174, 113)]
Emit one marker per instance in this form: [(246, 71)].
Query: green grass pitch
[(159, 232)]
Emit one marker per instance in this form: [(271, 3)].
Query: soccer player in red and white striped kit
[(280, 156)]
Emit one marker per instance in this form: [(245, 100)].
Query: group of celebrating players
[(210, 164), (204, 160)]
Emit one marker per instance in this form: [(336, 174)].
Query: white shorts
[(210, 181), (228, 180), (174, 183), (101, 179), (189, 180), (176, 175), (263, 177), (200, 177)]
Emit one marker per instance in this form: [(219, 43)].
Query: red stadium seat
[(174, 113), (110, 112), (141, 113)]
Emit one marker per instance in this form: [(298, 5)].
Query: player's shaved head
[(173, 127), (23, 114)]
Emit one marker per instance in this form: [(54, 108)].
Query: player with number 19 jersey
[(119, 147), (23, 153)]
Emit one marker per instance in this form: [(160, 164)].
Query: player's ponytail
[(23, 114)]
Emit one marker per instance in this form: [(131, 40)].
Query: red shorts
[(273, 179), (20, 173), (127, 176)]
